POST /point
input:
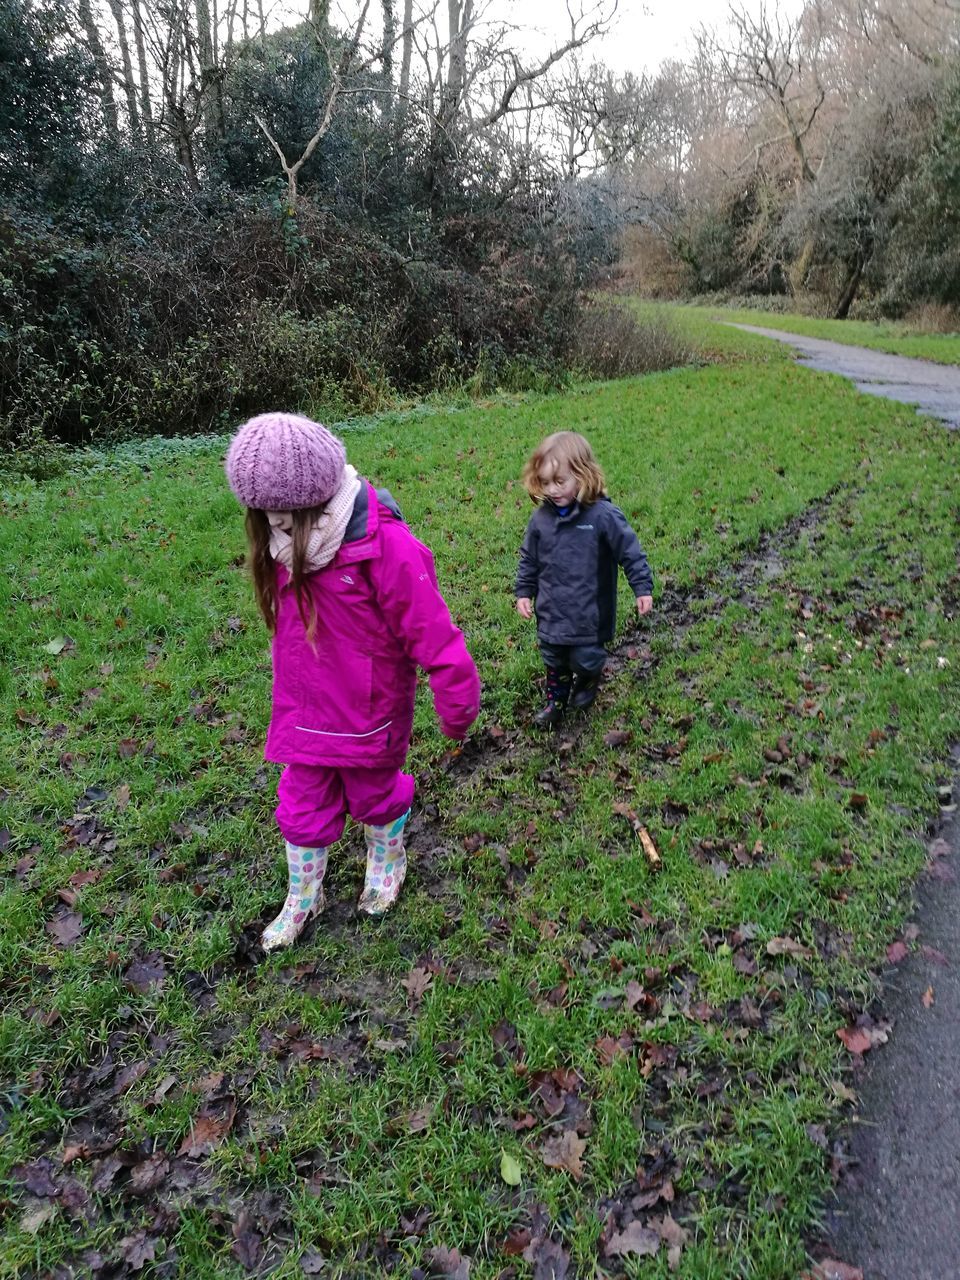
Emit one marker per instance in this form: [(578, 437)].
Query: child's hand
[(525, 607), (644, 604)]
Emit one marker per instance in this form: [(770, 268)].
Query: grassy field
[(551, 1059), (893, 336)]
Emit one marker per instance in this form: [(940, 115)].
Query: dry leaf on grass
[(417, 983), (635, 1239), (830, 1269), (788, 947), (65, 929), (565, 1152), (207, 1132), (449, 1263)]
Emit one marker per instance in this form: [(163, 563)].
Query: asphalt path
[(933, 388), (897, 1214)]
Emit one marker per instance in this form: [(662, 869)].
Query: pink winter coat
[(347, 698)]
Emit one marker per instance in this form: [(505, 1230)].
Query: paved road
[(898, 1215), (933, 388)]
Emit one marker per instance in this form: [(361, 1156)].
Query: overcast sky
[(644, 32)]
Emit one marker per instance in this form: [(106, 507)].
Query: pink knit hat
[(282, 461)]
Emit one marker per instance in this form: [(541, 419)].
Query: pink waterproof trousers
[(315, 800)]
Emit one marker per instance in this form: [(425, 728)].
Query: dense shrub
[(152, 281), (211, 317), (610, 342)]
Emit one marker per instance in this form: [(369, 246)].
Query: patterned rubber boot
[(386, 866), (304, 899), (558, 694), (586, 686)]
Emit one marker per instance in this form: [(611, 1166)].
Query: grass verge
[(655, 1054), (892, 336)]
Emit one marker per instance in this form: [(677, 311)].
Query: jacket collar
[(360, 538), (572, 512)]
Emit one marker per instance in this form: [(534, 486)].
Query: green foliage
[(924, 255), (132, 302), (211, 318), (706, 246), (804, 543), (45, 89)]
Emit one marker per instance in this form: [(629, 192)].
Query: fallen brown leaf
[(65, 929), (449, 1263), (138, 1249), (860, 1039), (36, 1214), (417, 982), (417, 1121), (149, 1174), (788, 947), (635, 1239), (516, 1242), (247, 1245), (207, 1132), (565, 1152), (609, 1049), (927, 998), (674, 1237), (830, 1269), (146, 972)]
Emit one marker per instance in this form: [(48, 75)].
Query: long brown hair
[(264, 570), (572, 450)]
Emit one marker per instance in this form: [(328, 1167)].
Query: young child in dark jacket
[(574, 542)]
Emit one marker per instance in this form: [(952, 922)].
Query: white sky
[(644, 32)]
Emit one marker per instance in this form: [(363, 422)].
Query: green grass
[(895, 337), (805, 545)]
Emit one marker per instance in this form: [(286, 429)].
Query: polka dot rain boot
[(386, 866), (304, 899)]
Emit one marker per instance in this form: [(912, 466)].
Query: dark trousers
[(578, 659)]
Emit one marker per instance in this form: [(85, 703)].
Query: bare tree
[(406, 48), (143, 74), (769, 62), (128, 82), (102, 64), (338, 74)]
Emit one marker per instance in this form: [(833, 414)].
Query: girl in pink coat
[(351, 599)]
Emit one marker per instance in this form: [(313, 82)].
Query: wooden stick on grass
[(649, 848)]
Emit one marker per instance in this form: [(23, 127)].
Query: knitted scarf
[(326, 534)]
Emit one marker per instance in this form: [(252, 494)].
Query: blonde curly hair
[(565, 448)]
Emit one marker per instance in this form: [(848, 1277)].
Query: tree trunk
[(850, 286), (389, 43), (102, 64), (129, 86), (208, 73), (798, 271), (407, 48), (146, 111), (459, 14)]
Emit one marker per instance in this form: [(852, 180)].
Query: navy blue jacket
[(568, 568)]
